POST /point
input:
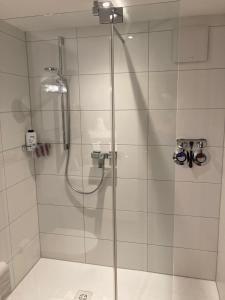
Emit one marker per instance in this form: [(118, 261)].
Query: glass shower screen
[(121, 83)]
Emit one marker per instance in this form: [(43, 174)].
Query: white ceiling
[(21, 8)]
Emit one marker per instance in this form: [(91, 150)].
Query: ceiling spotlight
[(106, 4), (130, 37)]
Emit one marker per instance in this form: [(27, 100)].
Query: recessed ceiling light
[(106, 4), (130, 37)]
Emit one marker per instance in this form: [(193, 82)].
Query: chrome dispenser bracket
[(186, 142), (190, 152)]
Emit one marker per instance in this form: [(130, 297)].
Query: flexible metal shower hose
[(69, 182), (68, 149)]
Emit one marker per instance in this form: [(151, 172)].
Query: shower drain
[(83, 295)]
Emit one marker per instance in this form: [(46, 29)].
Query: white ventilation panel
[(191, 44)]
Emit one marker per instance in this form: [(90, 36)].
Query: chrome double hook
[(190, 151)]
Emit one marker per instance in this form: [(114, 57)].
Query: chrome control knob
[(180, 156), (199, 157)]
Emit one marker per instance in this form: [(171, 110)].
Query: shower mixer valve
[(190, 151), (101, 157)]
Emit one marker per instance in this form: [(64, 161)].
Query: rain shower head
[(53, 82), (107, 13)]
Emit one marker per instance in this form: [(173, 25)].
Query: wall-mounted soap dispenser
[(30, 140)]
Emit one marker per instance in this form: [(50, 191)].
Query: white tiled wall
[(167, 215), (19, 232)]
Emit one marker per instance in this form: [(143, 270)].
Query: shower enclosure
[(115, 217)]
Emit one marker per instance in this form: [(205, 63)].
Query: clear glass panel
[(79, 228), (146, 73)]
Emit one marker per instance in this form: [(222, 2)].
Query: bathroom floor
[(61, 280)]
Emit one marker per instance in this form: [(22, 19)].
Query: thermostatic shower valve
[(101, 157), (190, 151)]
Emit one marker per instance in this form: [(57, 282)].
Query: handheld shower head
[(53, 82)]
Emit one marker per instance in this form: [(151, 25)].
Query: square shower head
[(111, 15)]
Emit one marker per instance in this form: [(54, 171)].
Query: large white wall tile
[(13, 55), (99, 252), (98, 223), (18, 166), (132, 226), (162, 127), (14, 93), (160, 163), (132, 256), (195, 263), (95, 92), (197, 199), (160, 51), (201, 89), (132, 162), (21, 197), (61, 220), (131, 56), (70, 66), (23, 230), (52, 189), (98, 59), (161, 196), (14, 125), (2, 172), (196, 233), (160, 229), (201, 124), (131, 194), (135, 134), (5, 245), (3, 210), (96, 127), (26, 259), (62, 247), (163, 90), (40, 55), (160, 259), (131, 90)]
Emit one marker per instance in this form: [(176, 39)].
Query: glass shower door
[(145, 75)]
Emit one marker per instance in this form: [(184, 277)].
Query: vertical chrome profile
[(113, 141), (65, 112)]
